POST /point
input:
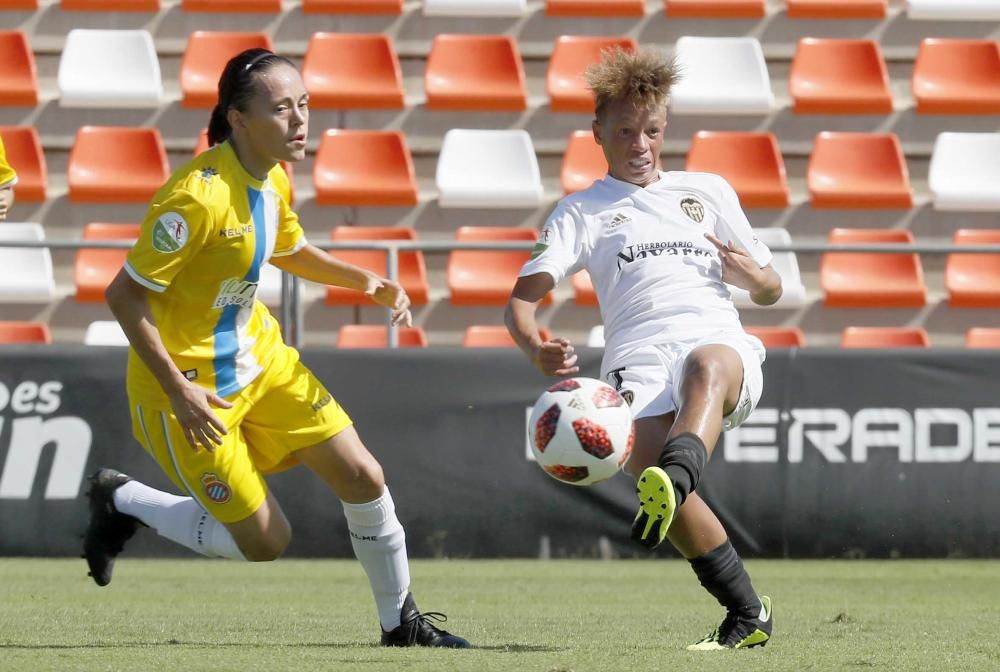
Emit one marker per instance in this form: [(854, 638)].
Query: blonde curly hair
[(643, 77)]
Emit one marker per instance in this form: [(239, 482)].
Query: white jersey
[(657, 278)]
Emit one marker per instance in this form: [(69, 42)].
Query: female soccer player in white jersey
[(216, 396), (660, 247)]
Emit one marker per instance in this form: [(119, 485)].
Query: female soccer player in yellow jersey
[(216, 396)]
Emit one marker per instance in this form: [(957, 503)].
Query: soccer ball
[(581, 431)]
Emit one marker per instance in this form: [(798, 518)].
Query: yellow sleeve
[(8, 178), (173, 232), (290, 238)]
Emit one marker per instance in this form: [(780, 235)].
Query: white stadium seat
[(786, 264), (488, 169), (25, 272), (105, 332), (109, 68), (474, 7), (956, 10), (721, 75), (595, 338), (269, 287), (965, 171)]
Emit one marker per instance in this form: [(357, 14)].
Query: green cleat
[(657, 503), (739, 632)]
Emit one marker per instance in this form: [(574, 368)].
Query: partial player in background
[(660, 247), (8, 178), (216, 396)]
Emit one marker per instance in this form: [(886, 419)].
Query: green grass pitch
[(555, 616)]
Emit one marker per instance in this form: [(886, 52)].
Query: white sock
[(380, 545), (179, 519)]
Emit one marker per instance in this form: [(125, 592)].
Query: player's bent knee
[(706, 369), (267, 548)]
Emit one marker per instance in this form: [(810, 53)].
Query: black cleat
[(739, 631), (108, 529), (415, 629)]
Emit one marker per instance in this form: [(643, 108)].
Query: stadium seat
[(721, 75), (412, 272), (376, 336), (201, 145), (582, 163), (205, 58), (571, 55), (95, 268), (872, 279), (750, 162), (475, 73), (484, 278), (105, 332), (364, 168), (27, 5), (474, 7), (488, 169), (353, 71), (778, 337), (982, 337), (595, 8), (584, 293), (109, 68), (785, 264), (111, 164), (24, 332), (481, 336), (232, 6), (716, 9), (110, 5), (885, 337), (837, 9), (18, 74), (973, 280), (858, 170), (965, 171), (390, 7), (957, 77), (24, 151), (595, 337), (832, 76), (953, 10), (25, 272)]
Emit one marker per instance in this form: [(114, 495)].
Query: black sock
[(684, 458), (721, 573)]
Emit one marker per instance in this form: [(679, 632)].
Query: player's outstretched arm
[(739, 269), (554, 357)]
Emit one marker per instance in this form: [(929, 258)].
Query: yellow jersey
[(208, 232), (8, 178)]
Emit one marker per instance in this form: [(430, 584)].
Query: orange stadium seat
[(110, 164), (18, 74), (957, 77), (412, 272), (205, 58), (476, 73), (95, 269), (595, 8), (584, 293), (982, 337), (350, 71), (872, 279), (837, 9), (778, 337), (484, 278), (973, 280), (839, 77), (391, 7), (571, 55), (110, 5), (582, 163), (24, 153), (885, 337), (202, 145), (483, 336), (364, 168), (236, 6), (751, 162), (24, 332), (377, 336), (858, 170), (716, 9)]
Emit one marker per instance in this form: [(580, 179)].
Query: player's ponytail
[(236, 88)]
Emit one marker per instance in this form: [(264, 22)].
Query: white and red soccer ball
[(581, 431)]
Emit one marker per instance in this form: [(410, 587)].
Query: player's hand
[(192, 406), (391, 295), (6, 196), (738, 267), (556, 358)]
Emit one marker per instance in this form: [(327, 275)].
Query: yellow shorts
[(284, 409)]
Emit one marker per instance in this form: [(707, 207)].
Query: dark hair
[(236, 88)]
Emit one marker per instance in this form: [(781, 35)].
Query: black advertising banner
[(849, 454)]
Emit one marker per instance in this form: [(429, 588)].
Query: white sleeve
[(732, 225), (562, 248)]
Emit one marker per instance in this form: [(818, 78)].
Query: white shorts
[(650, 377)]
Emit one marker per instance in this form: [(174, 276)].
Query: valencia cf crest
[(693, 208), (628, 396)]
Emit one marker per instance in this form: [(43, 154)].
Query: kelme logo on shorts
[(170, 233), (216, 490)]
